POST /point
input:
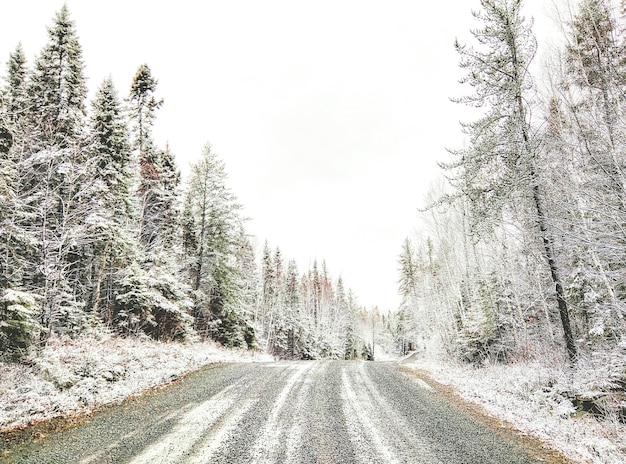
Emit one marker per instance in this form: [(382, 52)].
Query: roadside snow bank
[(531, 397), (76, 376)]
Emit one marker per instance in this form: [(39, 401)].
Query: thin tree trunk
[(554, 271), (96, 292), (545, 234)]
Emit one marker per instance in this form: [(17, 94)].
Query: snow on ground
[(530, 396), (76, 376)]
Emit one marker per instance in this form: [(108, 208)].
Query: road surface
[(285, 412)]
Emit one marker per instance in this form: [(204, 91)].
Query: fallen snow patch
[(533, 397), (76, 376)]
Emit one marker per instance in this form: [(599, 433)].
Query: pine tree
[(247, 285), (112, 203), (18, 309), (159, 178), (53, 176), (408, 289), (500, 168), (408, 274), (8, 194), (57, 88), (268, 292), (143, 107), (14, 96), (213, 212), (292, 299)]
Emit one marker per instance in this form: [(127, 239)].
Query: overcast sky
[(330, 115)]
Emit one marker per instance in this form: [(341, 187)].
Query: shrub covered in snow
[(17, 321)]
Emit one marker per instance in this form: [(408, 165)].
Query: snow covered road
[(285, 412)]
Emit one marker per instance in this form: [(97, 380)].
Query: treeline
[(523, 249), (96, 231), (309, 315)]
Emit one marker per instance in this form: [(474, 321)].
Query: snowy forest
[(521, 251), (98, 234)]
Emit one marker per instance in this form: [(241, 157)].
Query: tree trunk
[(554, 270), (546, 238)]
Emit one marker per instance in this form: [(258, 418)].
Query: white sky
[(330, 115)]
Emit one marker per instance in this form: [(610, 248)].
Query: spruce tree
[(53, 176), (19, 310), (143, 107), (153, 298), (14, 95), (112, 203), (213, 213), (159, 176), (57, 87)]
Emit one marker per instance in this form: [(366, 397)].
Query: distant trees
[(306, 315)]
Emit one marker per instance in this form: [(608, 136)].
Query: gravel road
[(285, 412)]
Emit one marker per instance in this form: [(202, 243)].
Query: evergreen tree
[(268, 292), (408, 288), (18, 309), (57, 87), (213, 212), (112, 203), (159, 178), (143, 108), (408, 274), (14, 96), (53, 176), (292, 300)]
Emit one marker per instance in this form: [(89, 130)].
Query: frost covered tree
[(499, 168), (159, 177), (586, 122), (408, 289), (53, 174), (112, 201), (268, 289), (12, 238), (14, 96), (143, 109), (213, 224), (18, 309), (57, 87)]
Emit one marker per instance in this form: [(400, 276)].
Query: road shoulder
[(535, 447)]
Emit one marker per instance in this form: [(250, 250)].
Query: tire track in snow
[(400, 432), (189, 429), (363, 432), (280, 426), (200, 432), (100, 455), (391, 434), (220, 435)]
